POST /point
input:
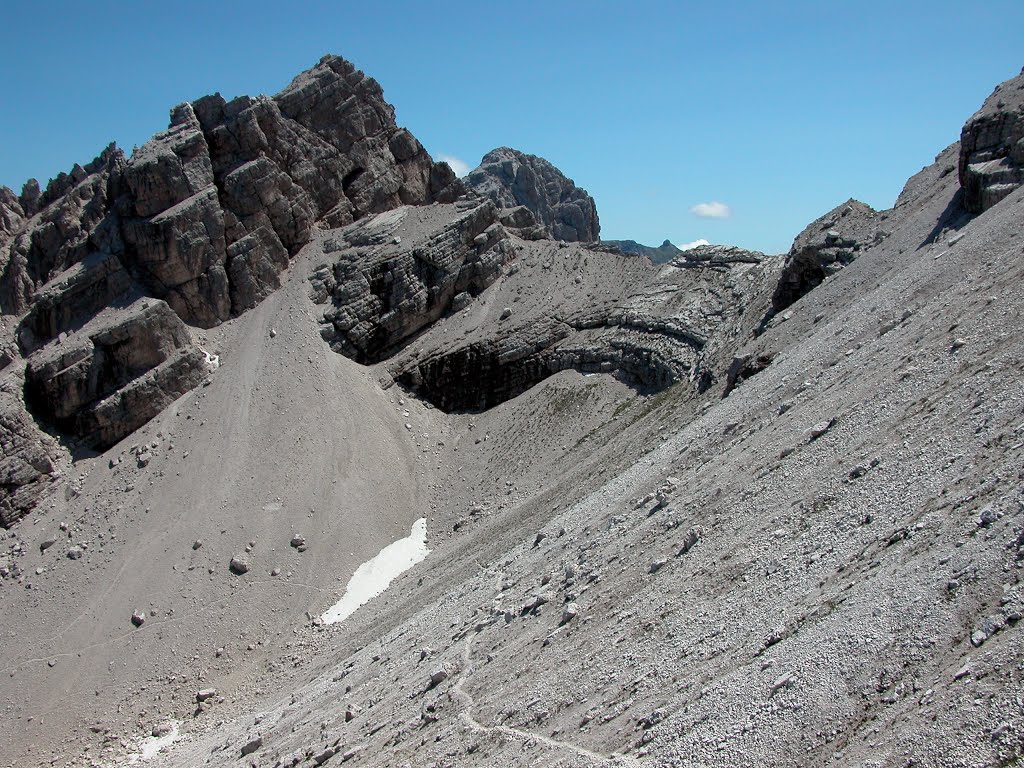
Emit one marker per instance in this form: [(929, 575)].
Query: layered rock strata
[(116, 373), (383, 288)]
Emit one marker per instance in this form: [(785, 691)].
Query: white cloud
[(461, 167), (694, 244), (712, 210)]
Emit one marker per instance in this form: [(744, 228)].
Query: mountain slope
[(671, 522)]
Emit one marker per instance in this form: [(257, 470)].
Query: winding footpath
[(466, 700)]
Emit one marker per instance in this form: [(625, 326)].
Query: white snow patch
[(151, 746), (373, 577)]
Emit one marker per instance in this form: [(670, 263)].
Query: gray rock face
[(71, 222), (73, 297), (30, 460), (824, 247), (206, 214), (663, 254), (384, 289), (511, 178), (115, 374), (992, 148)]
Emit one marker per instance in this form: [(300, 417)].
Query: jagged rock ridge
[(663, 254), (203, 219)]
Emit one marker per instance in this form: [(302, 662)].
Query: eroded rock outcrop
[(60, 227), (116, 373), (385, 287), (992, 148), (511, 178), (559, 306), (30, 460), (824, 247)]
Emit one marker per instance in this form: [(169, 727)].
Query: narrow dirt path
[(466, 700)]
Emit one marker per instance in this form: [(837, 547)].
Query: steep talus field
[(733, 509), (820, 569)]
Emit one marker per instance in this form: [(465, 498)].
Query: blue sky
[(775, 111)]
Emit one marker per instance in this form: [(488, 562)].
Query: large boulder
[(511, 178), (992, 147)]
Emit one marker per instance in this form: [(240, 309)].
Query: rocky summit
[(313, 453), (512, 179)]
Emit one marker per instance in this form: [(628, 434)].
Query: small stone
[(657, 565), (239, 565), (197, 544), (161, 729), (322, 757), (987, 517), (298, 542), (74, 553), (138, 618), (506, 313), (205, 694), (957, 344), (275, 572), (541, 598), (820, 429), (252, 745), (785, 681), (570, 612), (438, 676), (689, 540), (273, 333), (46, 543)]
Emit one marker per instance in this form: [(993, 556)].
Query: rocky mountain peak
[(102, 271), (512, 178)]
